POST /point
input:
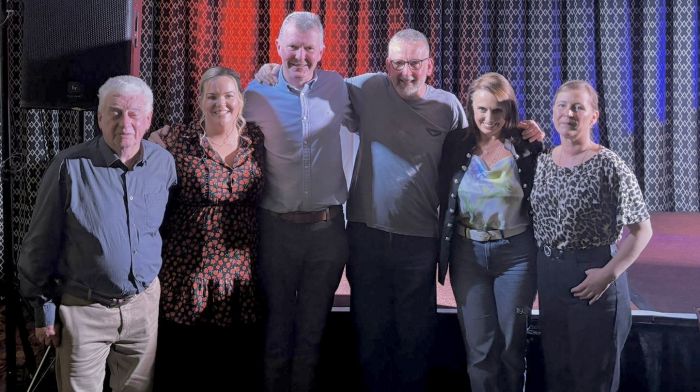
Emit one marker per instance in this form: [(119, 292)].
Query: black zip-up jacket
[(457, 152)]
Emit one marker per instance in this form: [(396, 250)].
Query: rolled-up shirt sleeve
[(41, 248)]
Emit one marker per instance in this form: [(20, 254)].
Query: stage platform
[(664, 281), (662, 352)]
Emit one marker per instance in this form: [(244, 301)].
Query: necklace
[(228, 140), (490, 149), (572, 160)]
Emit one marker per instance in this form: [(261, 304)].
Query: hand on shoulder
[(158, 135), (267, 74)]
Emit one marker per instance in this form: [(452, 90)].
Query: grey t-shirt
[(395, 178)]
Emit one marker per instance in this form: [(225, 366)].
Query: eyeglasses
[(414, 64)]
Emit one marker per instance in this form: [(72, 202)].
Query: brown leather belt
[(325, 214), (91, 296)]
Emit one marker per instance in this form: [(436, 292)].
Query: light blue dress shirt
[(303, 161)]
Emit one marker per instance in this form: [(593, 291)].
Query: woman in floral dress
[(208, 306)]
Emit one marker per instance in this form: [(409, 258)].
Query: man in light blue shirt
[(303, 247)]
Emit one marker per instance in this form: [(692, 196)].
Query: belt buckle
[(117, 302), (547, 250)]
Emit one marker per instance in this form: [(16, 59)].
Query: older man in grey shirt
[(90, 260)]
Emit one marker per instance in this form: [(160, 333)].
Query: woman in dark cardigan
[(486, 174)]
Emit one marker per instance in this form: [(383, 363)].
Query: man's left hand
[(267, 74), (531, 131)]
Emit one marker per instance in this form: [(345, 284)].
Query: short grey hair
[(125, 84), (409, 35), (303, 21)]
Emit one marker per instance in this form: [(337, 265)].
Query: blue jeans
[(299, 266), (581, 343), (393, 306), (494, 286)]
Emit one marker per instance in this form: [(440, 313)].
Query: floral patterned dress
[(210, 233)]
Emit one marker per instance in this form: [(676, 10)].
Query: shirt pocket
[(155, 209)]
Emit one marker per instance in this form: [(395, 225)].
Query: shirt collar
[(282, 82), (112, 159)]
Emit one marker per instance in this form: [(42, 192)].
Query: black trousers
[(299, 266), (393, 306), (581, 343)]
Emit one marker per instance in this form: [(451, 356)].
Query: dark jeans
[(393, 306), (581, 343), (494, 286), (300, 266)]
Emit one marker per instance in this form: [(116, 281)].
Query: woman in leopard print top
[(583, 195)]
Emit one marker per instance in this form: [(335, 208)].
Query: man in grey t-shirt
[(392, 213)]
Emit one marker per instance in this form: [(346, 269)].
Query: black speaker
[(70, 47)]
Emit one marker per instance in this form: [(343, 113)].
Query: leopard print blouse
[(585, 206)]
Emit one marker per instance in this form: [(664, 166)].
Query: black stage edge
[(661, 354)]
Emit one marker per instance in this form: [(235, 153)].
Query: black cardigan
[(457, 151)]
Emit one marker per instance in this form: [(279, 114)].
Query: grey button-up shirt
[(95, 225)]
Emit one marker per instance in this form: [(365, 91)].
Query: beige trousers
[(122, 337)]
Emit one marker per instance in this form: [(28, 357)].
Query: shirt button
[(452, 195), (524, 185), (464, 168), (452, 210), (456, 181), (469, 155), (131, 197)]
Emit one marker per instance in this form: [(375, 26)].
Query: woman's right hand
[(594, 285), (158, 135), (267, 74)]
